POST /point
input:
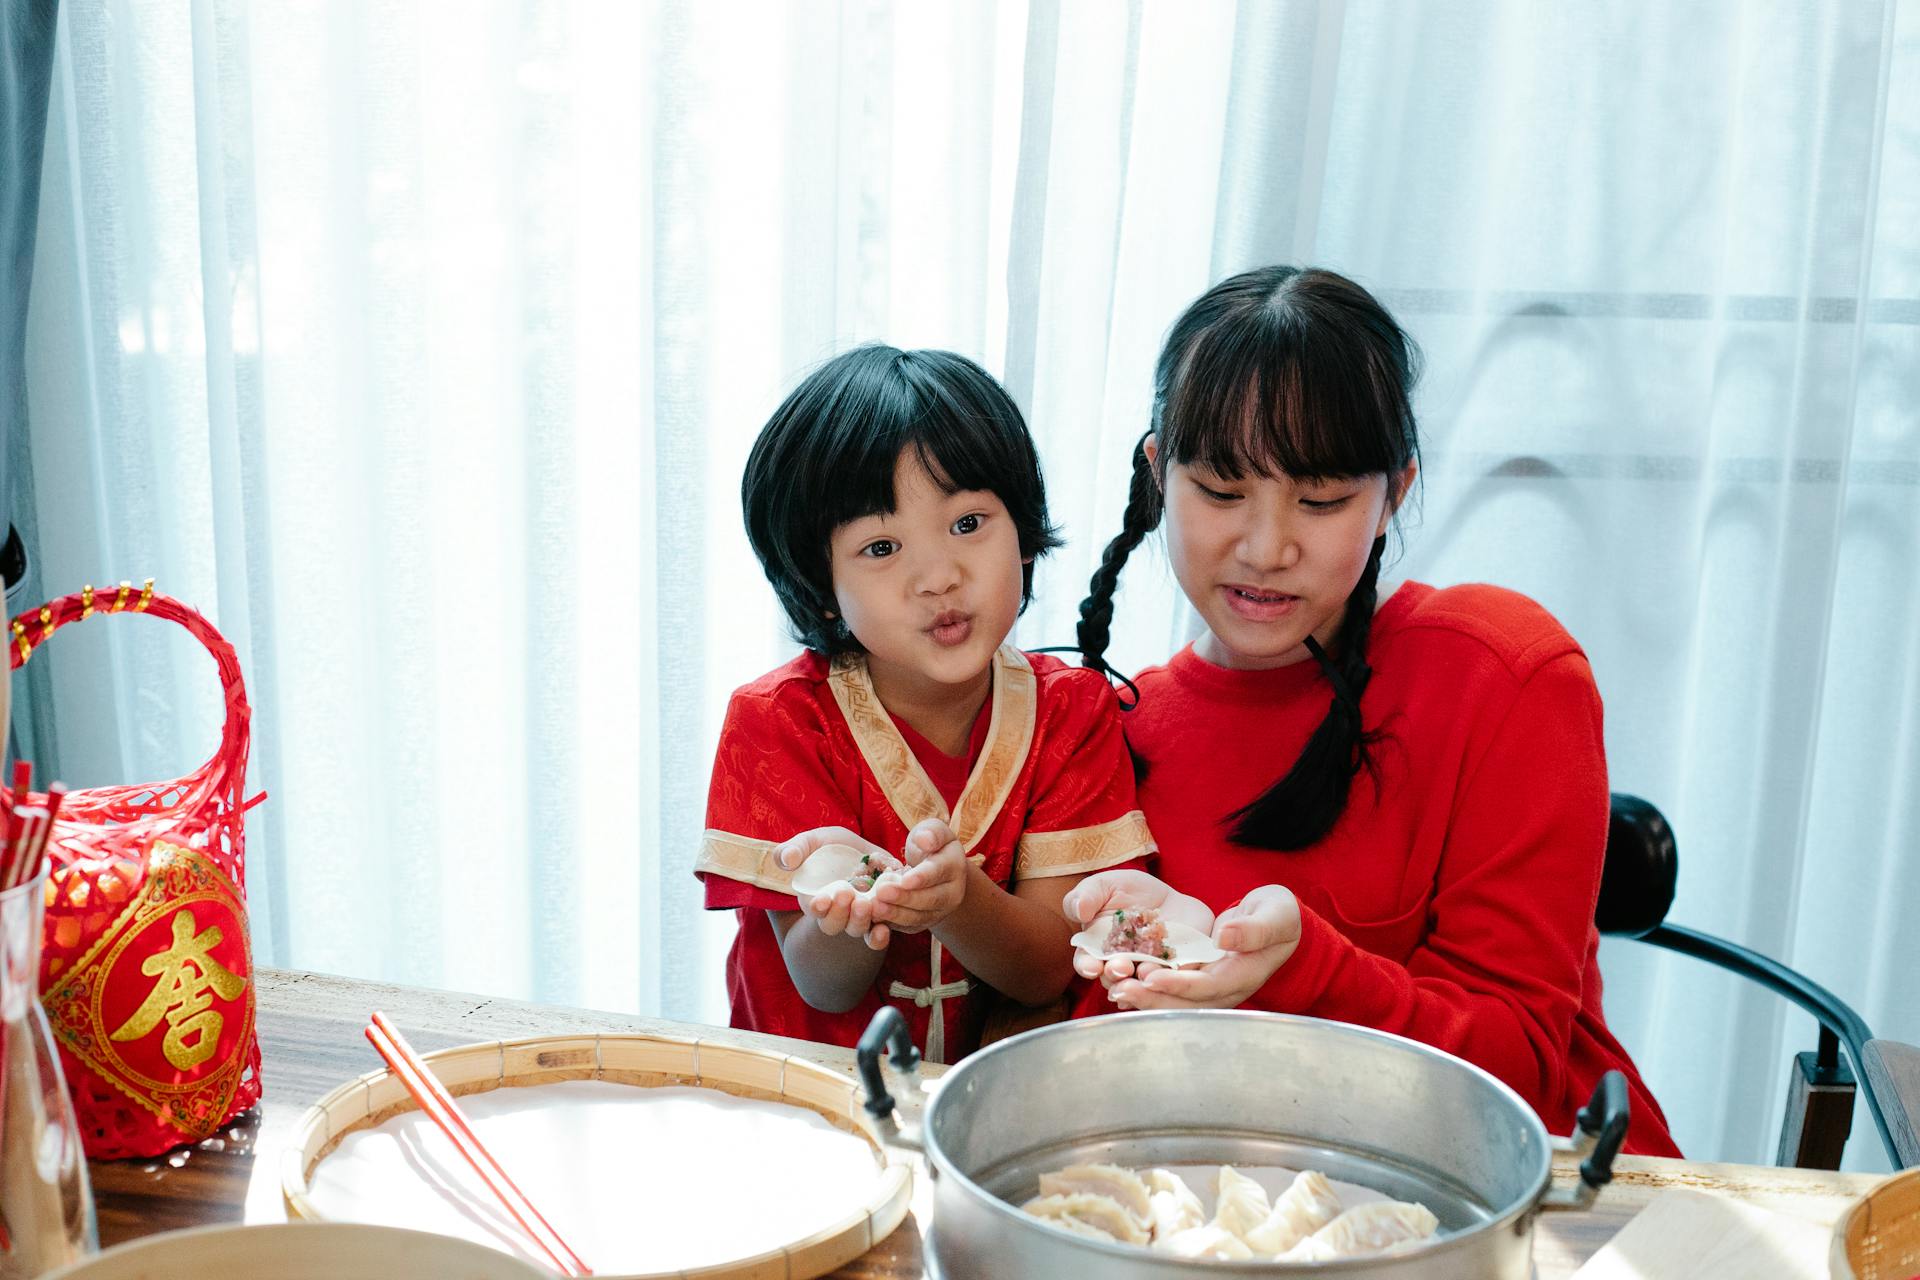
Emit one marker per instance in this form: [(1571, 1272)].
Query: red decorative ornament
[(146, 972)]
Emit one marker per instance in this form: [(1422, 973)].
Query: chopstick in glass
[(440, 1107)]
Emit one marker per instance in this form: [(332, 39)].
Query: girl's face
[(932, 589), (1269, 561)]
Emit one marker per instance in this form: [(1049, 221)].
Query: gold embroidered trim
[(1009, 737), (1067, 853), (738, 858), (912, 794), (905, 784)]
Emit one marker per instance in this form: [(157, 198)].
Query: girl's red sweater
[(1453, 902)]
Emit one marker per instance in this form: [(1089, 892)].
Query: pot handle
[(1602, 1128), (887, 1027)]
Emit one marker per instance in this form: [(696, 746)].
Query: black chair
[(1636, 888)]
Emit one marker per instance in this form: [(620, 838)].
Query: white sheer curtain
[(421, 345)]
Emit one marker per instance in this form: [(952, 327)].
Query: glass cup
[(46, 1207)]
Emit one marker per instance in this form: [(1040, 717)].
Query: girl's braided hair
[(1279, 371)]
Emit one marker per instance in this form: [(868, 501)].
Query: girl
[(1398, 807), (896, 504)]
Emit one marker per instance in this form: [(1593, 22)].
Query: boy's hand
[(1133, 890), (839, 909), (933, 885)]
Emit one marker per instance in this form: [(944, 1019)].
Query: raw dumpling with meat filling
[(1171, 1205), (1099, 1212), (1123, 1186), (1308, 1204), (1242, 1203), (832, 865), (1142, 936), (1371, 1228)]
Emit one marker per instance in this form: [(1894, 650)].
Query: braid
[(1354, 630), (1301, 808), (1143, 516)]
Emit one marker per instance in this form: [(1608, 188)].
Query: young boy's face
[(932, 589)]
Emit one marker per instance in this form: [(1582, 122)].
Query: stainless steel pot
[(1230, 1087)]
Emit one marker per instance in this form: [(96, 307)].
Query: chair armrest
[(1839, 1023), (1893, 1071), (1831, 1011)]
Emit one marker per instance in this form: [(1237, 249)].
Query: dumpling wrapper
[(1310, 1250), (1308, 1204), (1123, 1186), (830, 865), (1378, 1227), (1209, 1241), (1188, 944), (1171, 1205), (1068, 1222), (1099, 1212), (1242, 1203)]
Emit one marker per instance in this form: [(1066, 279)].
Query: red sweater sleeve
[(771, 781), (1497, 978)]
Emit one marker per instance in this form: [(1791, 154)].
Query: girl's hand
[(1133, 890), (1261, 934), (839, 909), (933, 885)]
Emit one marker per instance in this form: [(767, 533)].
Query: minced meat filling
[(1142, 932), (872, 866)]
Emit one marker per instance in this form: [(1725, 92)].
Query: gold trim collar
[(914, 798)]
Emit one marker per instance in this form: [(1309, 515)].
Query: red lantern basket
[(146, 973)]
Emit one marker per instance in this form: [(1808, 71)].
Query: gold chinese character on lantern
[(189, 978)]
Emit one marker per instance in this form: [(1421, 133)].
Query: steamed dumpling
[(1210, 1241), (1123, 1186), (1309, 1250), (1079, 1228), (1099, 1212), (1308, 1204), (1171, 1205), (1367, 1229), (1242, 1204)]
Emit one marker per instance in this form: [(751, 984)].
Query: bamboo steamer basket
[(1878, 1237), (644, 1062), (299, 1251)]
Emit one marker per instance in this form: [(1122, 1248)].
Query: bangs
[(1261, 393), (828, 456), (968, 437)]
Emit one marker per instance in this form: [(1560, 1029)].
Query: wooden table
[(310, 1033)]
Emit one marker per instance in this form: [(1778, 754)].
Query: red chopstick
[(34, 826), (26, 828), (14, 849), (440, 1107)]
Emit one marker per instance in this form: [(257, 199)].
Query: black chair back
[(1642, 867)]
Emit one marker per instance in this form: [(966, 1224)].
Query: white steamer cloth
[(634, 1179)]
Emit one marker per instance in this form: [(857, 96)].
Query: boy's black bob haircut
[(827, 457)]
